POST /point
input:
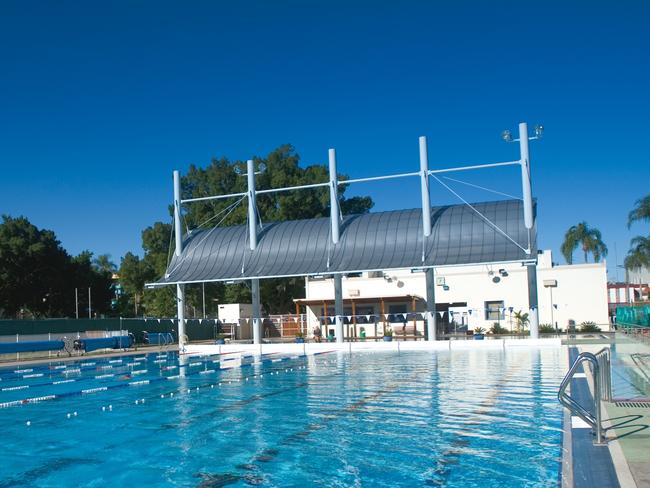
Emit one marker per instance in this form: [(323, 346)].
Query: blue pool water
[(452, 418)]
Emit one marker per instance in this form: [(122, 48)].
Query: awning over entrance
[(488, 232)]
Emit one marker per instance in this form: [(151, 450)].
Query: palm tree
[(639, 255), (641, 211), (590, 239), (104, 264), (522, 320)]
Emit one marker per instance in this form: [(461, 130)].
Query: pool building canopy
[(368, 242), (424, 238)]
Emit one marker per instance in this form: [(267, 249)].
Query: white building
[(467, 297)]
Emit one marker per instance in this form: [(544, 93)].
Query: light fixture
[(506, 135), (539, 131), (262, 167), (238, 170)]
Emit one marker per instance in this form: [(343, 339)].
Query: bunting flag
[(158, 320), (349, 317), (441, 314), (296, 319), (368, 317)]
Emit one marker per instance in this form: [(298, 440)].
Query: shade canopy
[(373, 241)]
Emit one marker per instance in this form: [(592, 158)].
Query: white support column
[(531, 269), (334, 197), (252, 205), (430, 314), (338, 306), (424, 178), (257, 312), (525, 175), (252, 234), (178, 233)]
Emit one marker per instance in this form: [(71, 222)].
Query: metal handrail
[(600, 368), (604, 357)]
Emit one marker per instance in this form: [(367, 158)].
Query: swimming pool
[(445, 418)]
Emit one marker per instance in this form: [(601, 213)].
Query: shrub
[(497, 329), (546, 329), (589, 327), (479, 330)]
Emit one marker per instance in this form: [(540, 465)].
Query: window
[(492, 310)]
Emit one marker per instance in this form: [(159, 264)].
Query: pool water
[(446, 418)]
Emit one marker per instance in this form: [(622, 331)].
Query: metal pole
[(203, 298), (255, 295), (552, 318), (252, 203), (252, 234), (90, 306), (430, 313), (533, 311), (338, 306), (424, 179), (525, 175), (76, 302), (334, 198), (178, 233)]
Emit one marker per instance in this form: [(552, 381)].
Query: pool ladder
[(602, 378)]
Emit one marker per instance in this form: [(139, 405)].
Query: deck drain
[(644, 404)]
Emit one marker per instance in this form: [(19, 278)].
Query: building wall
[(580, 295)]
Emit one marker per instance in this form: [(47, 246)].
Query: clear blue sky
[(100, 101)]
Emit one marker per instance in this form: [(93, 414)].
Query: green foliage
[(546, 329), (639, 255), (590, 240), (388, 332), (640, 212), (479, 330), (589, 327), (497, 329), (522, 320), (38, 277), (282, 169)]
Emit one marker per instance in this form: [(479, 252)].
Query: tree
[(589, 239), (32, 265), (104, 264), (523, 320), (38, 277), (638, 256), (219, 178), (640, 212)]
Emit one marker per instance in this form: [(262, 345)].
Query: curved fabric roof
[(374, 241)]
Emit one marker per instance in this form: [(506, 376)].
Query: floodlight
[(539, 131), (506, 135), (238, 170), (262, 167)]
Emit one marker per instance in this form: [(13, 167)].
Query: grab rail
[(600, 369)]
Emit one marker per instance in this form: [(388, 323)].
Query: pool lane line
[(204, 387), (59, 396), (112, 370)]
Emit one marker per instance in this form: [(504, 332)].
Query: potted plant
[(220, 339), (388, 334), (479, 333), (300, 338)]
